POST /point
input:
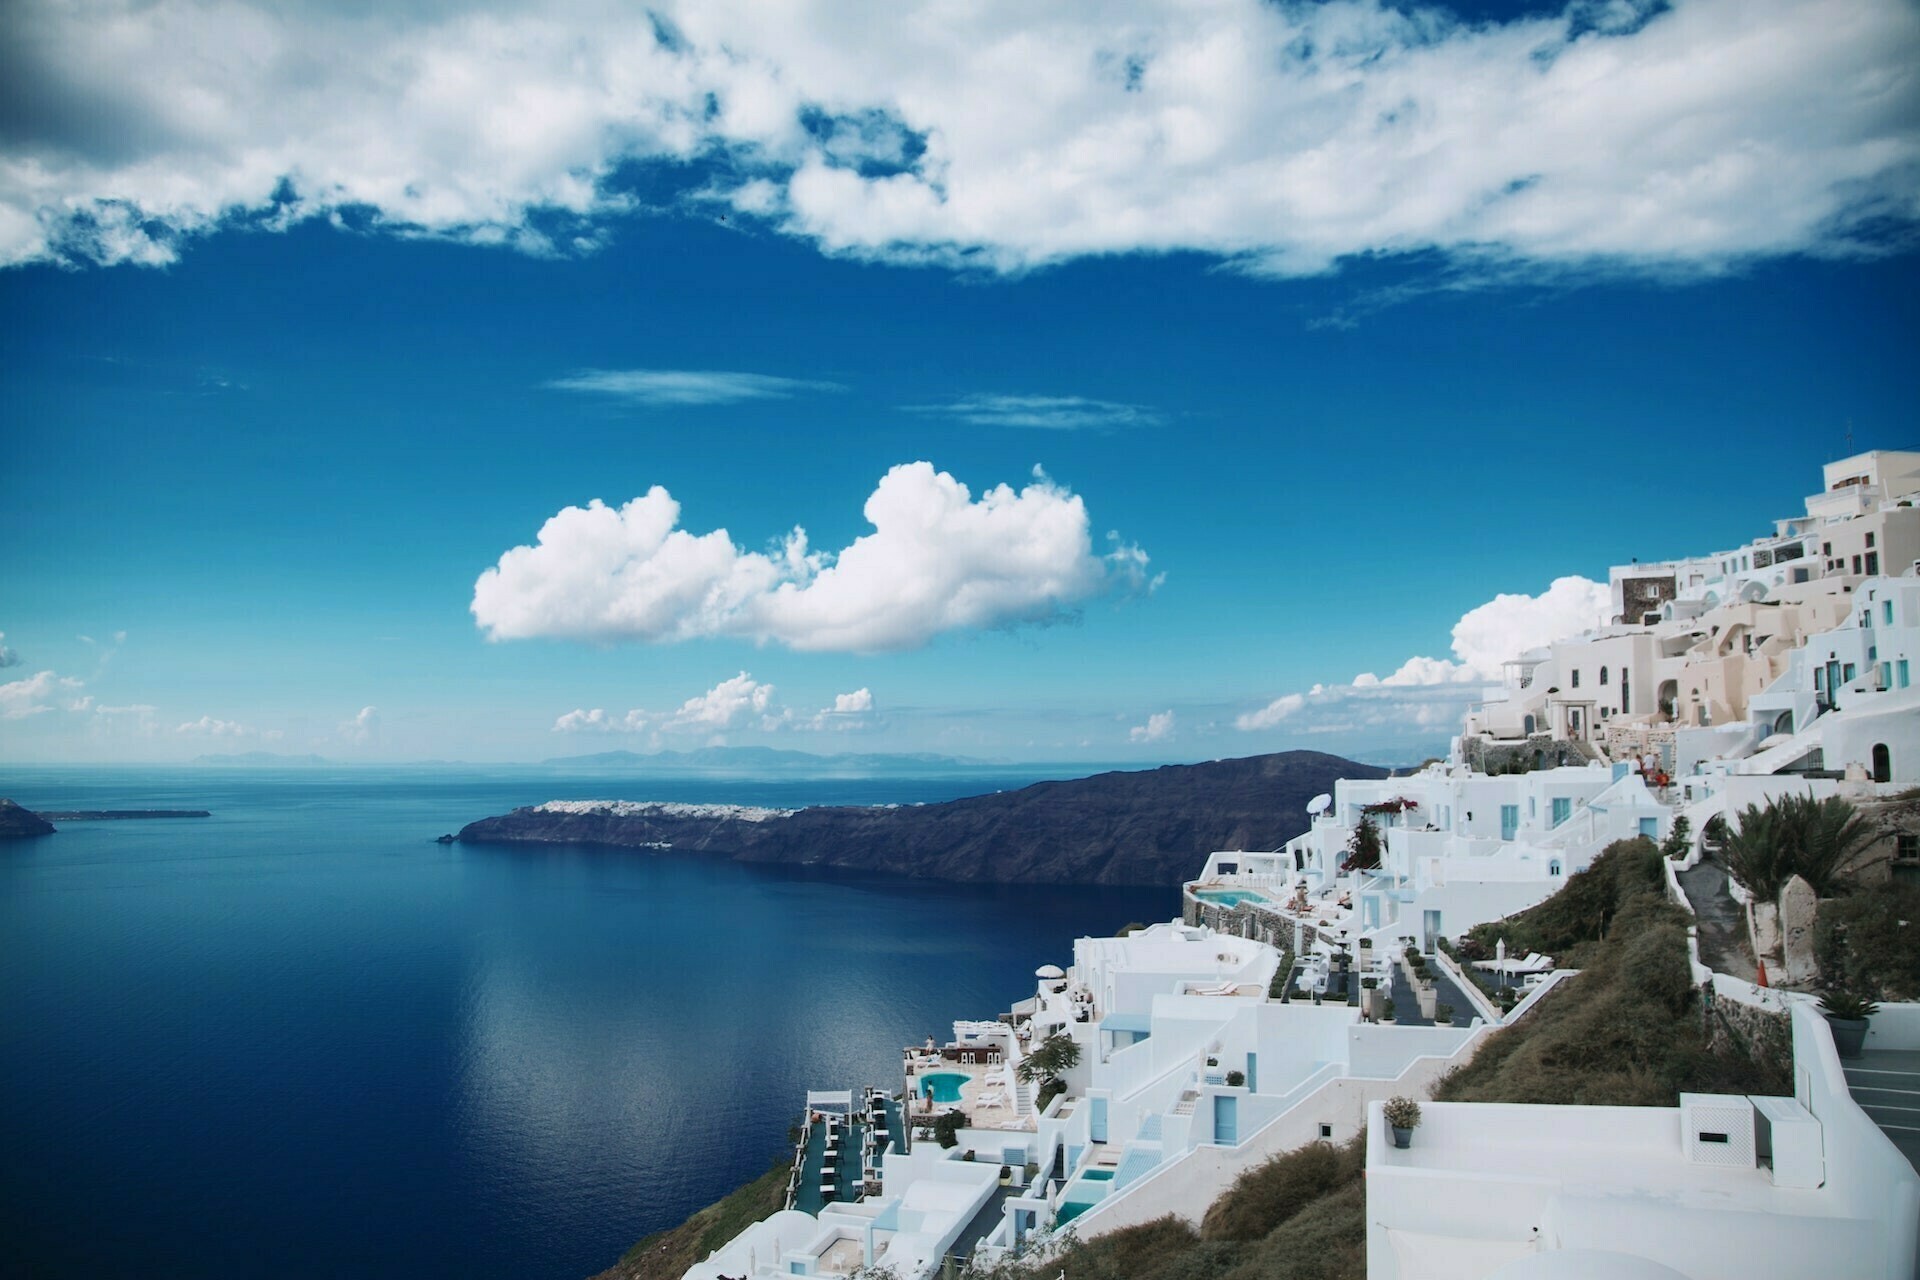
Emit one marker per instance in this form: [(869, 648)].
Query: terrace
[(980, 1084)]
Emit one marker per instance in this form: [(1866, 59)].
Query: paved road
[(1723, 926)]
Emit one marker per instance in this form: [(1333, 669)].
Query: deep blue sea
[(299, 1039)]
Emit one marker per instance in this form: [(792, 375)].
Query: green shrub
[(1869, 941), (947, 1127), (1268, 1194)]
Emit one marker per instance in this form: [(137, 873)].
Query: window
[(1886, 613), (1603, 675), (1626, 694), (1900, 673), (1562, 809), (1869, 542), (1576, 677), (1553, 868), (1826, 548), (1856, 564), (1886, 675), (1906, 846), (1873, 562), (1846, 672)]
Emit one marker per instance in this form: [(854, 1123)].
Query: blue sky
[(275, 397)]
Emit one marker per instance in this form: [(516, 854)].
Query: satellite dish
[(1320, 803)]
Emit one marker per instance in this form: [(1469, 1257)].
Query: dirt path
[(1723, 926)]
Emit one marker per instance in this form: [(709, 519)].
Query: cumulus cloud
[(1157, 727), (40, 693), (580, 720), (1271, 714), (1280, 138), (1502, 629), (856, 703), (8, 657), (727, 705), (210, 727), (364, 727), (660, 388), (1051, 413), (937, 560), (1434, 693)]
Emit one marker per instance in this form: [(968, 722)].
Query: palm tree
[(1795, 835)]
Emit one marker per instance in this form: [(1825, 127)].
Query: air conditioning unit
[(1788, 1140), (1717, 1129)]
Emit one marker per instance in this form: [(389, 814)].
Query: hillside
[(1150, 828)]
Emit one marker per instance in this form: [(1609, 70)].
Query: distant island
[(117, 815), (765, 760), (1125, 828), (17, 823), (262, 758)]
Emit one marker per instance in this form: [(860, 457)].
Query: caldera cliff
[(1153, 827)]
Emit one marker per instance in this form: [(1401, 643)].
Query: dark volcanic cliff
[(16, 822), (1148, 828)]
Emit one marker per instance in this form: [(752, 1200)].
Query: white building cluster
[(1721, 680)]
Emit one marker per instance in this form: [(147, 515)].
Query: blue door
[(1562, 809), (1226, 1119), (1253, 1072), (1650, 828), (1509, 820), (1097, 1119)]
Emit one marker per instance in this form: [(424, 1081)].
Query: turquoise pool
[(1098, 1175), (1229, 897), (943, 1086)]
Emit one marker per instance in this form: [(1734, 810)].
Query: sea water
[(298, 1038)]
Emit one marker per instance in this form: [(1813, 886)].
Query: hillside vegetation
[(666, 1255)]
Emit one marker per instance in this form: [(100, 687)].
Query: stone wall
[(1763, 1035), (1539, 751), (1244, 921)]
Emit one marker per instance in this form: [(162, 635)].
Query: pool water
[(1229, 897), (943, 1086), (1098, 1175)]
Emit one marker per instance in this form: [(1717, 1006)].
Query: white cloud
[(39, 693), (580, 720), (364, 727), (1157, 727), (937, 560), (737, 702), (1504, 628), (728, 705), (1434, 693), (1278, 137), (213, 728), (8, 657), (856, 703), (1271, 714), (655, 388), (1052, 413)]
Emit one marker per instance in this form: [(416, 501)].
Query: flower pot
[(1402, 1137), (1849, 1035)]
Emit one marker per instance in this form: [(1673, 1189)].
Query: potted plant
[(1236, 1078), (1443, 1015), (1403, 1114), (1847, 1013)]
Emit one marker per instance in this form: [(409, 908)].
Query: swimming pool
[(943, 1086), (1230, 897)]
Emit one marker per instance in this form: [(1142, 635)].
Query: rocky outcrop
[(1148, 828), (17, 823)]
